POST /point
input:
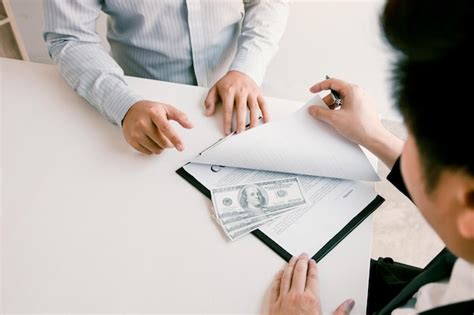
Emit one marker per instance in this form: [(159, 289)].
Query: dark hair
[(433, 78)]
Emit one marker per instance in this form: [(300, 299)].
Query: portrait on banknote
[(252, 197)]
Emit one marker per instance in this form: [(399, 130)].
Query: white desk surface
[(89, 225)]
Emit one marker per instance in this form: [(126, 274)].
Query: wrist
[(133, 107), (386, 146)]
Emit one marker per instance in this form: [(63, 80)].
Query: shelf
[(3, 13), (8, 45), (11, 45)]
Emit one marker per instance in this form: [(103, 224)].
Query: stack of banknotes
[(242, 209)]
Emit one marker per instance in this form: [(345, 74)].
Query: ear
[(465, 222)]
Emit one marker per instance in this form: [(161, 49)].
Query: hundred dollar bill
[(258, 198), (234, 225), (233, 235), (240, 224), (249, 217), (241, 206)]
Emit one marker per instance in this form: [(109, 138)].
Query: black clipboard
[(336, 239)]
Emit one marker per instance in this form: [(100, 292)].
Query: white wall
[(338, 38), (29, 17)]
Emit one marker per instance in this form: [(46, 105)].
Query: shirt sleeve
[(262, 28), (395, 177), (74, 45)]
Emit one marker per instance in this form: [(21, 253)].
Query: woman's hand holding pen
[(357, 120)]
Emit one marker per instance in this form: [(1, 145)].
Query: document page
[(296, 144), (332, 203)]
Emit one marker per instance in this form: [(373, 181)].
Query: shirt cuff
[(118, 103), (396, 178), (253, 66)]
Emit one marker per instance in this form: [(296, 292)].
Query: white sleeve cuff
[(118, 103)]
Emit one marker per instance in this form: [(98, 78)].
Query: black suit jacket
[(438, 269)]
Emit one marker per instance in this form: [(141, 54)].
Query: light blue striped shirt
[(184, 41)]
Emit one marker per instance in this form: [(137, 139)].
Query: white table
[(89, 225)]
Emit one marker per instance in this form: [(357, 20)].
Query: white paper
[(332, 203), (297, 144)]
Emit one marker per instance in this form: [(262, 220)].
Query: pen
[(223, 139), (335, 96), (216, 143)]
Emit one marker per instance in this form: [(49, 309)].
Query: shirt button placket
[(196, 34)]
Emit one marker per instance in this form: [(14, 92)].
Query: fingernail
[(304, 255), (349, 305), (180, 147)]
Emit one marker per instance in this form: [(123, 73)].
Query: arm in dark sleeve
[(395, 177)]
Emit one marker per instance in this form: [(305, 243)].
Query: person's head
[(252, 197), (432, 85)]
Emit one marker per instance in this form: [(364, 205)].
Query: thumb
[(177, 115), (321, 113), (211, 100), (345, 308)]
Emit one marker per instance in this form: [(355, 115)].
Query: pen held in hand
[(336, 97)]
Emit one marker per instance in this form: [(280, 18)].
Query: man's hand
[(237, 92), (146, 127), (357, 120), (295, 290)]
